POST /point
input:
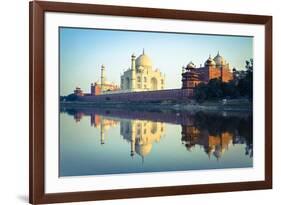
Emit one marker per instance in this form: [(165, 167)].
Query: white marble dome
[(143, 60), (144, 149)]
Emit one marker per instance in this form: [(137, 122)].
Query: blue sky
[(83, 51)]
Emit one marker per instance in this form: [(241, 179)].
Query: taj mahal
[(141, 76)]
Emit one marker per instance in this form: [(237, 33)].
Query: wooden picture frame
[(37, 11)]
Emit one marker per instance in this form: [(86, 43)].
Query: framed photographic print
[(139, 102)]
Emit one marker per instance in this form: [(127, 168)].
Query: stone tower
[(133, 68), (102, 77)]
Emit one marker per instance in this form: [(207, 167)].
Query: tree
[(230, 90), (200, 92), (210, 91), (245, 85), (214, 89), (71, 97)]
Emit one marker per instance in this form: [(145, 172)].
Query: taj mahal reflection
[(196, 131), (141, 134)]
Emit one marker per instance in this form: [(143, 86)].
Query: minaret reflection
[(141, 134), (103, 124)]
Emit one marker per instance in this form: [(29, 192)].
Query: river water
[(102, 141)]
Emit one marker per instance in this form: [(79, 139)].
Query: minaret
[(133, 74), (102, 77)]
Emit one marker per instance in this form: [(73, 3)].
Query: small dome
[(143, 60), (210, 62), (190, 66), (219, 60)]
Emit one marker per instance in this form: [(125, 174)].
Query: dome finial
[(143, 51), (210, 56), (218, 53)]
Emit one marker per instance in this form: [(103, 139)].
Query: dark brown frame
[(37, 95)]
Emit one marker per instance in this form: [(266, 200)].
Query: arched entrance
[(153, 128), (127, 83), (153, 83)]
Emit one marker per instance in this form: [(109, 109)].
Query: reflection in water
[(141, 134), (161, 137), (103, 124), (215, 133)]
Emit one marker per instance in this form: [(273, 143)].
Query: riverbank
[(190, 105)]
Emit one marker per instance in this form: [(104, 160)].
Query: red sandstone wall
[(227, 75), (159, 95), (214, 73), (95, 90), (203, 74)]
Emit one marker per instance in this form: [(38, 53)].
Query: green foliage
[(215, 89), (201, 92), (230, 90), (245, 85)]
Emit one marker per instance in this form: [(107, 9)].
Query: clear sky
[(83, 51)]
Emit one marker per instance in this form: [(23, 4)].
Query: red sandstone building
[(78, 91), (213, 68), (96, 88)]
